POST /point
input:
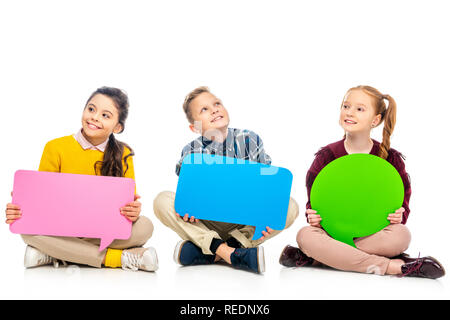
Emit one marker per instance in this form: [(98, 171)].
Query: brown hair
[(191, 96), (388, 115), (112, 158)]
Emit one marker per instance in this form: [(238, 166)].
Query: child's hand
[(397, 216), (12, 213), (266, 234), (132, 210), (313, 218), (186, 218)]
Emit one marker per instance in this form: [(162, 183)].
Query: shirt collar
[(86, 145), (214, 144)]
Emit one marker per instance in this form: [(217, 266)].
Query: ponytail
[(389, 116), (112, 159)]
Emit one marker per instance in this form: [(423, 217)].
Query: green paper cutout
[(354, 195)]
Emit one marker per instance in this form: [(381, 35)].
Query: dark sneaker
[(188, 254), (250, 259), (294, 257), (426, 267)]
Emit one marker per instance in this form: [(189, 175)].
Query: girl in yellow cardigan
[(95, 151)]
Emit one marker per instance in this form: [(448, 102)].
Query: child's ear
[(117, 128), (194, 129), (376, 120)]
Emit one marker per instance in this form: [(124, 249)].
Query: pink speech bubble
[(72, 205)]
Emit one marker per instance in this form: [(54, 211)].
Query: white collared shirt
[(86, 145)]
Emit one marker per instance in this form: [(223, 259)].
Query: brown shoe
[(426, 267), (294, 257)]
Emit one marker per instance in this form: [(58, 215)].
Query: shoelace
[(414, 267), (131, 261), (302, 260), (45, 259), (301, 263)]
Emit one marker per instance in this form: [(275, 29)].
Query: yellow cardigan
[(67, 156)]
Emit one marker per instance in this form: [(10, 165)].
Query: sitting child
[(206, 242), (94, 150), (362, 109)]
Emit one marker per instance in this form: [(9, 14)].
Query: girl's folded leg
[(85, 250), (317, 244), (389, 242), (70, 249)]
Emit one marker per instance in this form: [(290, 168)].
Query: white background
[(280, 67)]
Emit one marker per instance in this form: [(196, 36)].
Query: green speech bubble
[(354, 195)]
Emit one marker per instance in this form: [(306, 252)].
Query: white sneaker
[(35, 258), (139, 259)]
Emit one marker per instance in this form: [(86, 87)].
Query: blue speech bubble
[(233, 190)]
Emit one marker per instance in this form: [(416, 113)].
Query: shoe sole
[(261, 260), (177, 251)]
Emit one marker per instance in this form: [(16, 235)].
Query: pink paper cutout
[(72, 205)]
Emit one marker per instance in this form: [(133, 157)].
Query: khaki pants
[(85, 250), (202, 232), (371, 254)]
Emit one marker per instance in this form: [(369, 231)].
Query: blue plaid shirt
[(241, 144)]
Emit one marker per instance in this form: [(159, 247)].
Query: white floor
[(206, 282)]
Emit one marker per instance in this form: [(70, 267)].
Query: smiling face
[(358, 112), (209, 111), (100, 118)]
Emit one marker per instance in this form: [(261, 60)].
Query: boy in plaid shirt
[(204, 241)]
